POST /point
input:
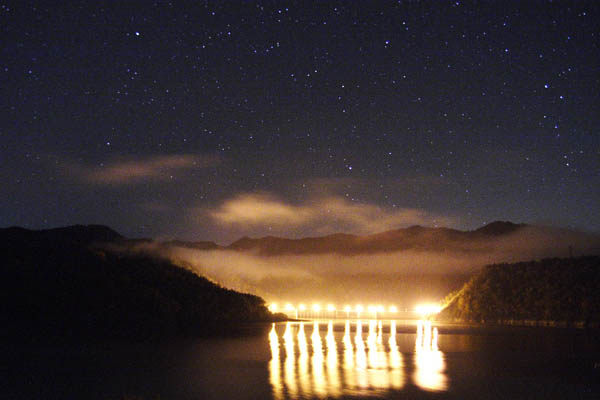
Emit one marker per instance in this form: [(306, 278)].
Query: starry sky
[(212, 120)]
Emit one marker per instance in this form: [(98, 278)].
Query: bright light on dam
[(374, 311), (428, 309)]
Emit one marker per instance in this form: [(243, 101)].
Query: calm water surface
[(320, 359)]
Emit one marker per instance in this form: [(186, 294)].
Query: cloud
[(260, 209), (404, 277), (401, 277), (138, 171), (321, 215)]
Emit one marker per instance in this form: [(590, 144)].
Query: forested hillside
[(56, 285), (552, 290)]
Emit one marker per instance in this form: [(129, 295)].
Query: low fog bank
[(535, 242), (335, 278), (400, 277)]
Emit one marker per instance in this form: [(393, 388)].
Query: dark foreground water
[(323, 359)]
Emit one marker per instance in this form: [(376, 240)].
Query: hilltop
[(69, 284), (551, 290), (491, 237)]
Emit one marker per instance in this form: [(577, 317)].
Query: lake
[(320, 359)]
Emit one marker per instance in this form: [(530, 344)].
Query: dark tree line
[(557, 290), (66, 289)]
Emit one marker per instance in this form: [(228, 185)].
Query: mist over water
[(427, 273)]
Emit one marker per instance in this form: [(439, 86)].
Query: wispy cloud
[(321, 215), (142, 170)]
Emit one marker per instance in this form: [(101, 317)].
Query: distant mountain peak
[(416, 238), (499, 228)]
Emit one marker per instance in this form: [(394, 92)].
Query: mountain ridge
[(81, 234), (415, 237)]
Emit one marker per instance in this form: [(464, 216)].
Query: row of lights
[(423, 309), (331, 308)]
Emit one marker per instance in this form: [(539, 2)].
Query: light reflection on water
[(464, 360), (332, 361), (274, 365), (289, 374), (429, 360), (303, 376), (348, 364)]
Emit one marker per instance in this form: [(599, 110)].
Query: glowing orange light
[(316, 307), (273, 307), (330, 308), (359, 308), (301, 307), (426, 309), (372, 309), (289, 307), (347, 309), (393, 309), (380, 309)]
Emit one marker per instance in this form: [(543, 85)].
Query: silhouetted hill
[(521, 241), (57, 285), (412, 238), (78, 234), (499, 228), (200, 245), (555, 290), (271, 245)]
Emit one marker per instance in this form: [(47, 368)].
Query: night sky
[(225, 119)]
